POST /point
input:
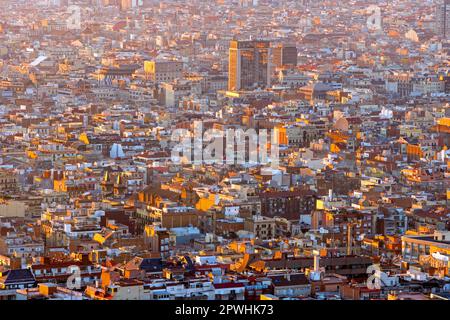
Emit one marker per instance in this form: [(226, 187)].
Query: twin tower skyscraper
[(251, 63)]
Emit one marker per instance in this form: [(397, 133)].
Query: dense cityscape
[(224, 150)]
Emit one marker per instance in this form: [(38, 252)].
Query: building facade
[(249, 65)]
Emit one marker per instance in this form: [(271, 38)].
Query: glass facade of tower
[(249, 65), (284, 55)]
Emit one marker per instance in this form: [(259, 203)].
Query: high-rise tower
[(249, 65), (443, 19)]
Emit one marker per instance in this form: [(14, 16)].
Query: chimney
[(316, 261)]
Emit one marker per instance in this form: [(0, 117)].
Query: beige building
[(163, 70), (262, 227), (414, 246), (11, 208), (8, 181)]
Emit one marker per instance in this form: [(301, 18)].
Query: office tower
[(130, 4), (125, 5), (284, 55), (249, 65), (443, 19)]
